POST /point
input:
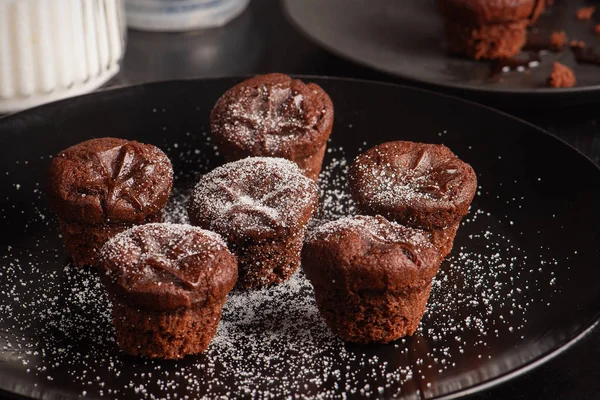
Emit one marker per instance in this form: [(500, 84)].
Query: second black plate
[(406, 39)]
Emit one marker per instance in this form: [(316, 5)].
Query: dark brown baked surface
[(273, 115), (443, 238), (418, 184), (269, 262), (483, 12), (109, 180), (372, 317), (165, 335), (168, 266), (369, 253), (256, 198)]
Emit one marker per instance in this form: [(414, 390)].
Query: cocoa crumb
[(585, 13), (561, 76), (558, 40), (577, 44)]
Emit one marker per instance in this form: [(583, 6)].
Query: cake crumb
[(561, 76), (577, 44), (585, 13), (558, 40)]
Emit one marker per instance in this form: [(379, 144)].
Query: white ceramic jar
[(181, 15), (52, 49)]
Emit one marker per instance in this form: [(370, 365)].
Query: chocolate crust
[(109, 180), (269, 262), (173, 335), (166, 267), (372, 317), (369, 253), (417, 184), (443, 238)]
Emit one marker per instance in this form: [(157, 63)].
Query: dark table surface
[(262, 40)]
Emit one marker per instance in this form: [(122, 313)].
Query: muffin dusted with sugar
[(103, 186), (261, 206), (167, 284), (372, 277), (420, 185), (276, 116)]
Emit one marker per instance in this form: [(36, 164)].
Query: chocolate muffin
[(261, 207), (415, 184), (101, 187), (371, 277), (275, 116), (167, 284), (488, 29)]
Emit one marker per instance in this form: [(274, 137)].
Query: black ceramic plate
[(406, 39), (519, 287)]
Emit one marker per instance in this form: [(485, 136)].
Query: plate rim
[(475, 90), (585, 329)]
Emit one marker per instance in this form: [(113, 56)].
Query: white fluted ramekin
[(51, 49)]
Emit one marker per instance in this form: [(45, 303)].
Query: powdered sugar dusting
[(376, 228), (256, 194), (389, 188), (273, 114), (175, 233), (400, 173), (151, 251)]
